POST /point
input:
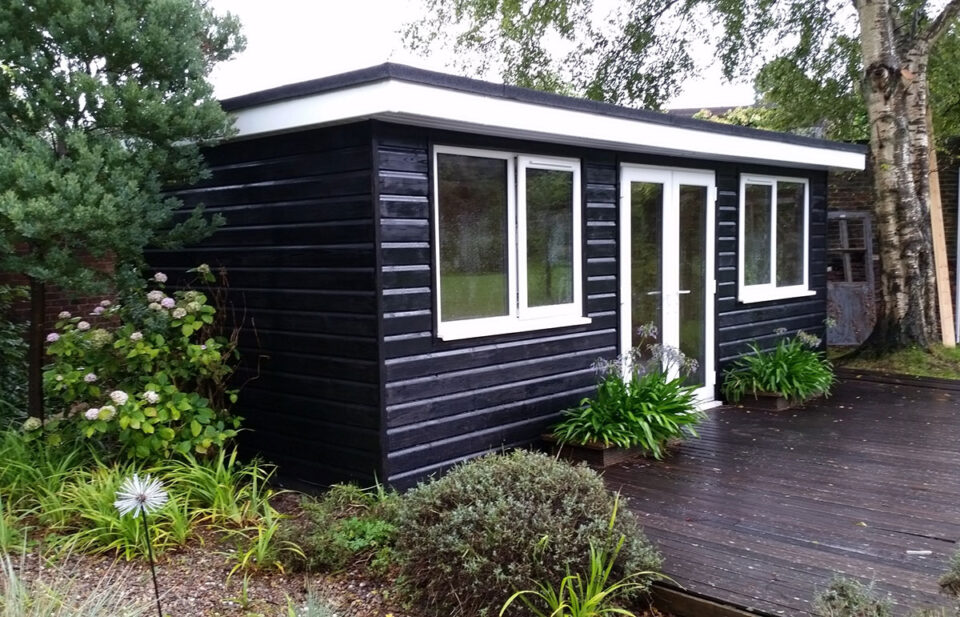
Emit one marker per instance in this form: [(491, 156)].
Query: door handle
[(683, 291), (653, 293)]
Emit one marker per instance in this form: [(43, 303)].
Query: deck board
[(763, 509)]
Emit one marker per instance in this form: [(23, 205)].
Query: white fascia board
[(436, 107)]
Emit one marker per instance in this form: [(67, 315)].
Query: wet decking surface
[(765, 507)]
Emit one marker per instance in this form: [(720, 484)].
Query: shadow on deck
[(762, 510)]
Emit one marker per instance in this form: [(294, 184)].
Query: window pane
[(756, 234), (790, 233), (472, 204), (693, 274), (549, 237), (646, 259)]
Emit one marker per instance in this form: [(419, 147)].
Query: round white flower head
[(179, 313), (168, 303), (53, 337), (64, 315), (136, 336), (119, 397), (193, 307), (90, 377), (107, 412), (154, 306), (32, 424), (98, 310), (105, 303), (92, 414), (203, 269), (83, 326), (155, 296), (151, 397), (160, 277), (140, 495), (59, 377)]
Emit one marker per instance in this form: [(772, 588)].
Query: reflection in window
[(790, 202), (756, 234), (773, 261), (549, 196)]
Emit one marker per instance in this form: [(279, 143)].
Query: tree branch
[(939, 25)]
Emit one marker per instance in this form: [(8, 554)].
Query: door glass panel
[(756, 234), (693, 259), (549, 237), (646, 258), (790, 203), (472, 206)]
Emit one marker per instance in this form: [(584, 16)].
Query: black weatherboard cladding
[(298, 246), (446, 401)]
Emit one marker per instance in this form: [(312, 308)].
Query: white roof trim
[(432, 106)]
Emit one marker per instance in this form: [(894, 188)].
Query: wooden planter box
[(596, 454)]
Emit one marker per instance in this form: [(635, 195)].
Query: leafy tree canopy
[(103, 105)]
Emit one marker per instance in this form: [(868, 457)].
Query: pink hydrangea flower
[(64, 315), (90, 377), (92, 414), (83, 326), (168, 303), (97, 310), (53, 337)]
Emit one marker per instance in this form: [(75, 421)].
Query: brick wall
[(57, 299)]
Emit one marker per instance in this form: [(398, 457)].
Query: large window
[(507, 242), (773, 238)]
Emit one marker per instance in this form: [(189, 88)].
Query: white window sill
[(750, 296), (476, 328)]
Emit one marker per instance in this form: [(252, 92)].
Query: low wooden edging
[(680, 603), (898, 379)]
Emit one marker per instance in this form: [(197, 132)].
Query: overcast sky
[(295, 40)]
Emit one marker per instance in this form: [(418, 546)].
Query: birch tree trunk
[(895, 93)]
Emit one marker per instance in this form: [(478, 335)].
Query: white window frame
[(520, 316), (766, 292)]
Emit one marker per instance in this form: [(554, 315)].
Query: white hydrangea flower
[(154, 306), (64, 315), (203, 269), (179, 313), (119, 397), (107, 412), (92, 414), (136, 336), (53, 337), (193, 307), (59, 377), (32, 424), (97, 310), (156, 296), (160, 277), (151, 397), (105, 303), (83, 326), (136, 495), (90, 377), (168, 303)]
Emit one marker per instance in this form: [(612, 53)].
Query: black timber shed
[(429, 265)]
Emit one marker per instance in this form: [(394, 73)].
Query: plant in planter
[(642, 403), (790, 373)]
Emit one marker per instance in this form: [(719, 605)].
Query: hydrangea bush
[(148, 375)]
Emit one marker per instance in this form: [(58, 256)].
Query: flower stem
[(153, 569)]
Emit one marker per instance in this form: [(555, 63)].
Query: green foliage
[(504, 522), (66, 595), (150, 381), (594, 594), (261, 546), (950, 581), (102, 107), (849, 598), (792, 369), (348, 526), (637, 405), (13, 359)]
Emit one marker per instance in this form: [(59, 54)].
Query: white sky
[(295, 40)]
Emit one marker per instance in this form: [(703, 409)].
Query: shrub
[(849, 598), (348, 526), (950, 581), (13, 359), (638, 403), (502, 523), (793, 369), (150, 379)]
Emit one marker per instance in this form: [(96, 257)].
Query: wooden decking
[(762, 510)]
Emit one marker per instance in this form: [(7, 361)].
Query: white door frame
[(671, 178)]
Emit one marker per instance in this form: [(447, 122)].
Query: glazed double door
[(667, 279)]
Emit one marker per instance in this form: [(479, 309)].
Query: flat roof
[(409, 95)]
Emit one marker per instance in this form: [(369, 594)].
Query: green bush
[(849, 598), (150, 380), (13, 359), (638, 403), (792, 369), (348, 526), (501, 523)]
